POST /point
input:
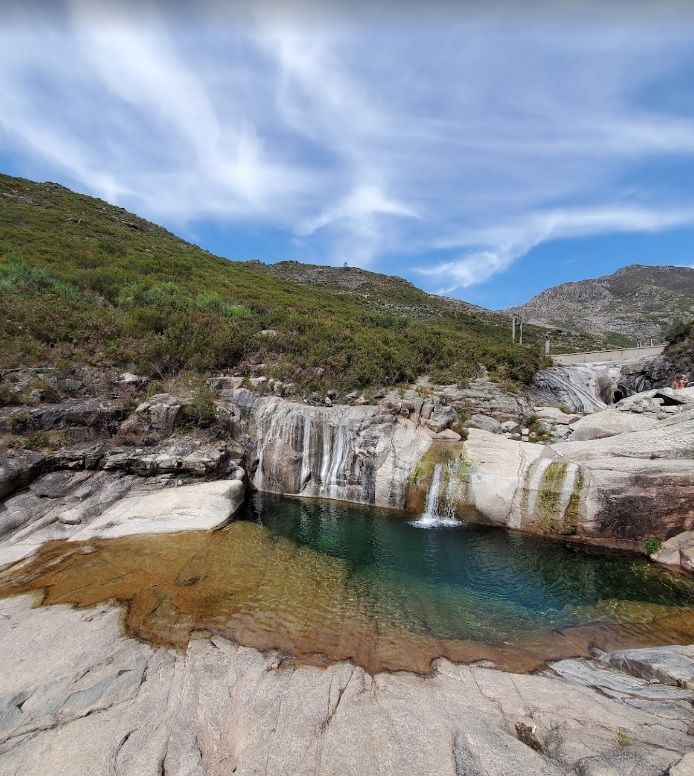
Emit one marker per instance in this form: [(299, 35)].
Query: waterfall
[(359, 454), (431, 517), (432, 505)]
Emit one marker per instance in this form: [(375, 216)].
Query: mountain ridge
[(636, 303)]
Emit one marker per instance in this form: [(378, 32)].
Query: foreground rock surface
[(77, 698)]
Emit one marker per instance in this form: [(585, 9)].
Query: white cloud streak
[(457, 145), (515, 240)]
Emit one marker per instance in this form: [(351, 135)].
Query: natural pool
[(325, 581)]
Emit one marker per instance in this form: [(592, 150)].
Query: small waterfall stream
[(431, 517)]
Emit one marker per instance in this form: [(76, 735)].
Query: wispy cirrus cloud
[(455, 143), (513, 240)]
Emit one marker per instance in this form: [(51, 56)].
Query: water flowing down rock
[(623, 487), (582, 387), (359, 454)]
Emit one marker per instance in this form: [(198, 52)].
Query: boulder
[(129, 378), (677, 551), (485, 423), (225, 382), (555, 415), (18, 470), (448, 435), (188, 508), (608, 423), (162, 411), (441, 418), (86, 455)]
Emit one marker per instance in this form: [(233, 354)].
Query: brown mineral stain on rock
[(267, 592)]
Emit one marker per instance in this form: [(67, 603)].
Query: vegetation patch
[(548, 518), (572, 514), (652, 545), (84, 281)]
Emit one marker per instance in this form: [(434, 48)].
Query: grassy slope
[(680, 349), (81, 280), (395, 295)]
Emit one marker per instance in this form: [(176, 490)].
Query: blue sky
[(482, 155)]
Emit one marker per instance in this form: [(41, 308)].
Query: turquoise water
[(472, 581)]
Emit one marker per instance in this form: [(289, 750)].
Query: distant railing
[(601, 356)]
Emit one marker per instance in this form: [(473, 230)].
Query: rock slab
[(188, 508)]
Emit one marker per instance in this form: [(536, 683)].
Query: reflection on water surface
[(325, 581)]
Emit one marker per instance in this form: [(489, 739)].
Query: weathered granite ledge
[(80, 699)]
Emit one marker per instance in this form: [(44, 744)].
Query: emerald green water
[(472, 581), (327, 581)]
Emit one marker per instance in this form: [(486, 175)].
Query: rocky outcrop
[(18, 470), (592, 387), (360, 454), (637, 302), (77, 696), (188, 508), (180, 456), (93, 413), (625, 487), (645, 374), (580, 388), (609, 423), (183, 456), (61, 504), (678, 550)]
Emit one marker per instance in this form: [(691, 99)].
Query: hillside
[(82, 280), (634, 304), (680, 349), (387, 292), (394, 295)]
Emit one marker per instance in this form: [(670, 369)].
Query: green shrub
[(10, 398), (201, 411), (83, 281), (651, 545)]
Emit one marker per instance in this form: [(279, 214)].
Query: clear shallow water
[(471, 581), (326, 581)]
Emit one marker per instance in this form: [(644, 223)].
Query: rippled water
[(325, 581)]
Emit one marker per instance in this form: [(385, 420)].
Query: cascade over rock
[(624, 487), (361, 454), (581, 387)]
